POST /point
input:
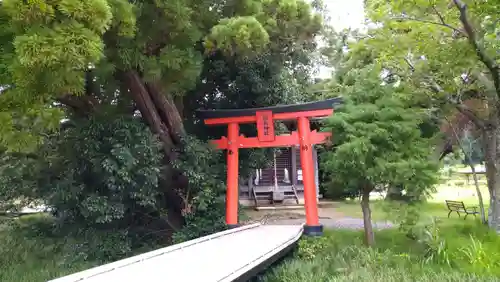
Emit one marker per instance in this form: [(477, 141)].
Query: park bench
[(459, 207)]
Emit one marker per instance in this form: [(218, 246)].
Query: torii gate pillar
[(264, 118), (307, 164), (232, 175)]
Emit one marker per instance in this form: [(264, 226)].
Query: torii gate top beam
[(285, 112)]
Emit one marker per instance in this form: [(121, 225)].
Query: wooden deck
[(226, 256)]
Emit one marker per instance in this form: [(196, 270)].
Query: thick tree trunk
[(491, 145), (146, 106), (179, 104), (168, 111), (164, 120), (367, 217)]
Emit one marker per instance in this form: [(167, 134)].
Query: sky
[(343, 14)]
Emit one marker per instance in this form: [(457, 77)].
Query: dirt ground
[(328, 217), (325, 211)]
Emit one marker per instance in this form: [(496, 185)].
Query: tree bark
[(478, 190), (491, 145), (164, 120), (146, 106), (468, 159), (179, 104), (168, 111), (367, 217)]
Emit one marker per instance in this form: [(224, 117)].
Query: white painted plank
[(219, 257)]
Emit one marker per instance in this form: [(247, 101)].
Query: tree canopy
[(378, 143), (85, 54), (447, 52), (102, 94)]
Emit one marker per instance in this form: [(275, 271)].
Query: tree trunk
[(148, 110), (491, 145), (164, 120), (168, 111), (179, 104), (468, 159), (367, 217), (478, 191)]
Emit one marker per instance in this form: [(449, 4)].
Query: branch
[(466, 111), (441, 18), (484, 80), (468, 157), (463, 109), (82, 105), (412, 67), (456, 30), (480, 52), (433, 86)]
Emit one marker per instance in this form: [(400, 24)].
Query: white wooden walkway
[(220, 257)]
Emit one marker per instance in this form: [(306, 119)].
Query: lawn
[(383, 210), (460, 251), (453, 189), (441, 249), (28, 254)]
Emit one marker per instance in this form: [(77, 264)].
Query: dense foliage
[(108, 181), (378, 143), (205, 198), (127, 78), (447, 54)]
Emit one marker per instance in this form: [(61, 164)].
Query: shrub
[(101, 176), (205, 198), (309, 248), (435, 247), (102, 171)]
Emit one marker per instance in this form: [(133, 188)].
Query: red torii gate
[(264, 118)]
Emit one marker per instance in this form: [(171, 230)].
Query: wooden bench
[(459, 207)]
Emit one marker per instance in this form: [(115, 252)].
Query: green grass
[(29, 256), (340, 256), (383, 210), (449, 250), (434, 207)]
